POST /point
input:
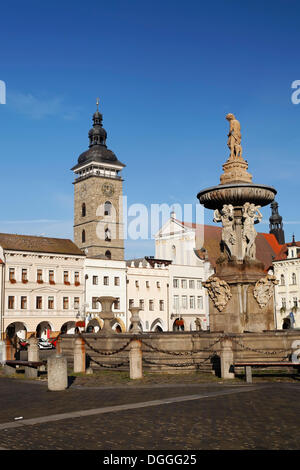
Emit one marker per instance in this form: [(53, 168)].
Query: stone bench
[(248, 366), (31, 367)]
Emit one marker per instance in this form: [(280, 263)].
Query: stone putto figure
[(251, 216), (228, 233), (234, 137)]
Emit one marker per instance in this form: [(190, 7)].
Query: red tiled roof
[(267, 246), (282, 254), (10, 241)]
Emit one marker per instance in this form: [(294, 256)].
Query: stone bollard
[(57, 373), (136, 359), (79, 355), (226, 356), (34, 356)]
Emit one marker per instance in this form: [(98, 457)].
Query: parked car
[(45, 344)]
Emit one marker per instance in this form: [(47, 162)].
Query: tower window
[(83, 236), (83, 210), (107, 208), (108, 254), (107, 235)]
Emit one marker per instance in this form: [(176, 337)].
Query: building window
[(106, 280), (95, 280), (200, 302), (283, 302), (117, 281), (23, 302), (39, 303), (282, 280), (76, 278), (51, 276), (192, 284), (147, 284), (136, 283), (192, 302), (76, 303), (66, 277), (12, 275), (142, 304), (294, 279), (50, 303), (199, 284), (176, 302), (131, 303), (83, 210), (65, 303), (11, 302), (108, 254), (183, 283), (83, 236), (39, 277), (95, 303), (117, 303), (184, 302), (107, 208), (24, 275), (161, 305), (176, 283), (158, 284), (151, 305)]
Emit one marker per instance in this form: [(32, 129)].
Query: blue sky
[(167, 73)]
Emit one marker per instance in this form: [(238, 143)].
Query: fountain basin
[(236, 194)]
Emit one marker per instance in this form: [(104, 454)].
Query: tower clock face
[(108, 189)]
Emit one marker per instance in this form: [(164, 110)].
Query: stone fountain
[(241, 292)]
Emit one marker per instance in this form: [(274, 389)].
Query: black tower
[(276, 225)]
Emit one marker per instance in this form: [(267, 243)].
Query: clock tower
[(98, 202)]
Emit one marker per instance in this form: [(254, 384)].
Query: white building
[(148, 288), (286, 267), (188, 299), (42, 285), (105, 278)]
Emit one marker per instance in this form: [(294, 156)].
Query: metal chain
[(176, 353), (101, 351), (113, 366), (186, 364), (257, 350)]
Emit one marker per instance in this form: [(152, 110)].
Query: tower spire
[(276, 225)]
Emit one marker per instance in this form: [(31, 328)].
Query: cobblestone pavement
[(262, 416)]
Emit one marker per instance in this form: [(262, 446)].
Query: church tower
[(98, 202), (276, 225)]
